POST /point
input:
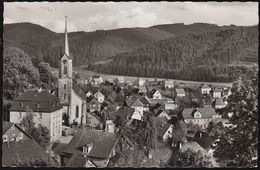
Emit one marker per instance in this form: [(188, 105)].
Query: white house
[(205, 89), (141, 82), (155, 94), (97, 79), (99, 96), (168, 84), (180, 92), (45, 107)]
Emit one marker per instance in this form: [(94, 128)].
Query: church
[(72, 97)]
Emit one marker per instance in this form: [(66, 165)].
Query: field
[(83, 73)]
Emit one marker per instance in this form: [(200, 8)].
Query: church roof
[(80, 92)]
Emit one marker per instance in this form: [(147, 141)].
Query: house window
[(20, 135), (21, 104), (21, 114), (77, 111), (65, 86), (40, 115), (5, 139), (65, 96)]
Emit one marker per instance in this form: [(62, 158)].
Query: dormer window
[(87, 148)]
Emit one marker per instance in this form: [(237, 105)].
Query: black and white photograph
[(130, 84)]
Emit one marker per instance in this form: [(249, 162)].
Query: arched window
[(65, 71), (77, 111)]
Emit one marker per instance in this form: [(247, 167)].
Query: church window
[(65, 70), (77, 111), (65, 96), (65, 86)]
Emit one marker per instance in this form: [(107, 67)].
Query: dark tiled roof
[(25, 150), (6, 125), (204, 141), (219, 102), (144, 100), (77, 160), (31, 98), (206, 112), (93, 90), (125, 112), (163, 130), (103, 143), (80, 92)]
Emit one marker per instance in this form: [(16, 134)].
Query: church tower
[(65, 76)]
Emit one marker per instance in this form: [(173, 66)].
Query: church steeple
[(66, 38)]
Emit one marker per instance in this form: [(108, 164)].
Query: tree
[(39, 133), (46, 75), (190, 158), (36, 162), (179, 132), (238, 142), (19, 73)]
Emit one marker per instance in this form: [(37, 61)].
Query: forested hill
[(42, 44), (206, 56)]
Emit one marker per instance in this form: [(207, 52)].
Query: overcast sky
[(90, 16)]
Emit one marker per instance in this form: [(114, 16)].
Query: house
[(13, 132), (97, 79), (165, 131), (123, 115), (142, 90), (170, 106), (99, 96), (95, 145), (129, 82), (204, 140), (217, 93), (162, 113), (168, 84), (92, 104), (16, 143), (219, 103), (205, 89), (179, 92), (141, 81), (199, 116), (109, 81), (45, 107), (192, 145), (155, 94), (120, 80), (227, 92)]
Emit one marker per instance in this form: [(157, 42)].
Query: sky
[(91, 16)]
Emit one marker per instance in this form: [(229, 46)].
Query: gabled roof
[(78, 160), (206, 112), (125, 112), (91, 99), (154, 91), (217, 90), (47, 102), (6, 125), (80, 92), (120, 78), (169, 82), (25, 150), (131, 99), (144, 100), (137, 103), (219, 102), (164, 129), (193, 146), (103, 143), (205, 141), (91, 89), (205, 86), (180, 91), (68, 57)]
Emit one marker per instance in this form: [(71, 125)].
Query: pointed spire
[(66, 38)]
